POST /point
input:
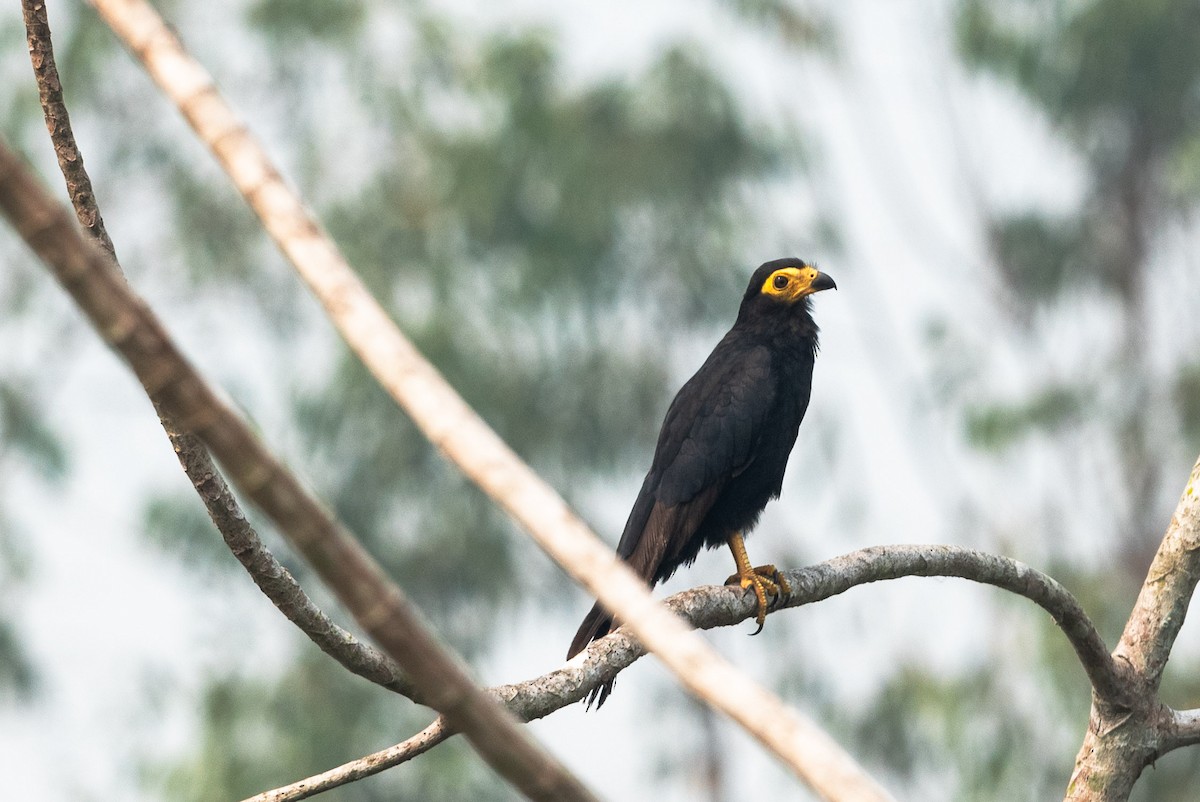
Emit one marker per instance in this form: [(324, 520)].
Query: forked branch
[(1122, 739)]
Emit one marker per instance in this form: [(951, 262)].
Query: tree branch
[(1122, 739), (58, 123), (379, 606), (275, 581), (459, 433), (1163, 601), (366, 766), (891, 562), (712, 606), (1183, 730)]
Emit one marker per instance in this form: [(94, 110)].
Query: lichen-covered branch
[(1164, 598), (1123, 738), (891, 562), (1183, 730), (378, 605), (365, 766), (275, 581), (712, 606)]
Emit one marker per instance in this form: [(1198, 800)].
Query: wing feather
[(710, 435)]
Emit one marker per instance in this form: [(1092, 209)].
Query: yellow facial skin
[(790, 284)]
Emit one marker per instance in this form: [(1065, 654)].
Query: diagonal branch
[(715, 606), (459, 433), (1122, 739), (275, 581), (366, 766), (1163, 601), (379, 606), (58, 123)]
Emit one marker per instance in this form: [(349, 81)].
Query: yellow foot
[(765, 580)]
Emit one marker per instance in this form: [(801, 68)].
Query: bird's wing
[(710, 435), (714, 426)]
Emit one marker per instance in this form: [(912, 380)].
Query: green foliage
[(1115, 74), (1187, 399), (331, 21), (218, 247), (18, 678), (179, 525), (518, 237), (1122, 81), (508, 221), (1036, 253), (995, 426), (23, 430), (921, 723), (785, 19), (259, 735)]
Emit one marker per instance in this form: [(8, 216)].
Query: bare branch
[(1183, 730), (1122, 739), (366, 766), (455, 429), (379, 606), (58, 123), (717, 605), (275, 581), (1163, 602), (891, 562)]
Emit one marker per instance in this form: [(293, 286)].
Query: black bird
[(725, 442)]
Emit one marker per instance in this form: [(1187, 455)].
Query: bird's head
[(783, 284)]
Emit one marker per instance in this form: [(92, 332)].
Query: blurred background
[(561, 204)]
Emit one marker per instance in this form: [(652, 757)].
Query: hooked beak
[(822, 281)]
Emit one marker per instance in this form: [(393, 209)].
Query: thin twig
[(456, 430), (376, 603), (366, 766), (58, 123), (275, 581), (717, 605)]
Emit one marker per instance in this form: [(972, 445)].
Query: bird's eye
[(781, 282)]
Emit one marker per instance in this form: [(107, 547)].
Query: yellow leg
[(763, 579)]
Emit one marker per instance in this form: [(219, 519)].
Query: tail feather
[(596, 624)]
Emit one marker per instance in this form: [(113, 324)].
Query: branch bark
[(275, 581), (1122, 739), (891, 562), (58, 123), (363, 767), (459, 433), (379, 606), (717, 605), (1183, 731)]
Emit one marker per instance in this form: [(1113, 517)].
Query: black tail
[(596, 624)]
